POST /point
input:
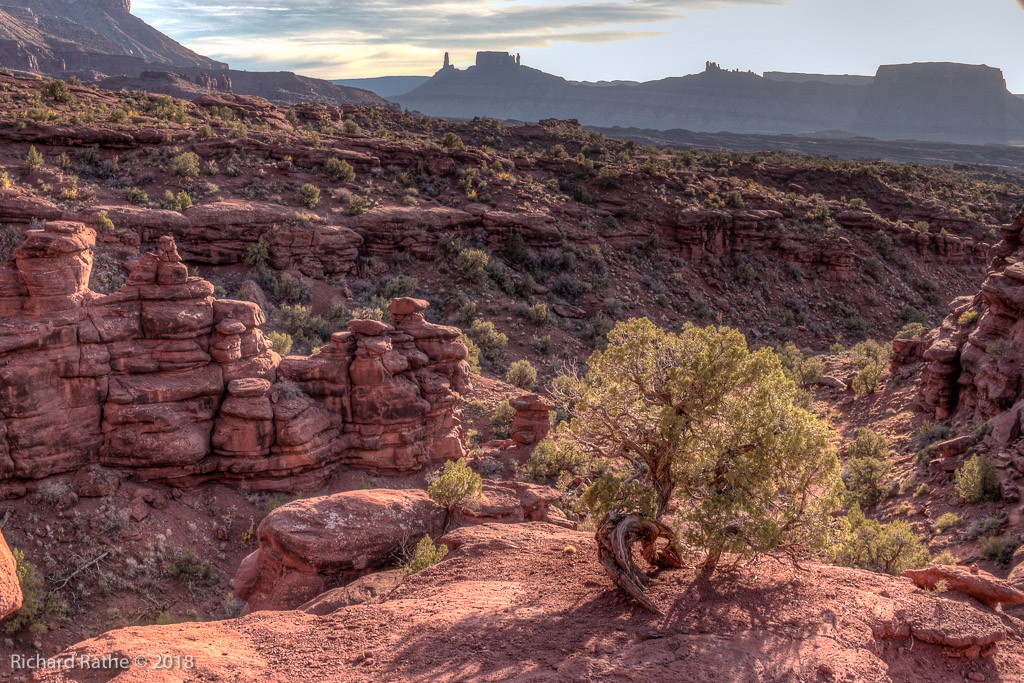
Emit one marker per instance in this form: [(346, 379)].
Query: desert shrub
[(987, 526), (351, 127), (452, 141), (550, 463), (608, 177), (873, 268), (306, 329), (107, 274), (734, 200), (999, 549), (515, 248), (59, 91), (308, 196), (703, 414), (569, 287), (804, 370), (522, 374), (871, 360), (868, 444), (292, 290), (455, 486), (204, 132), (472, 264), (968, 318), (281, 341), (891, 548), (501, 419), (977, 480), (339, 170), (539, 314), (258, 255), (613, 491), (135, 195), (863, 478), (5, 180), (545, 346), (186, 165), (489, 340), (947, 521), (36, 603), (473, 357), (103, 222), (33, 159), (426, 555), (191, 571), (909, 330), (399, 286), (176, 202)]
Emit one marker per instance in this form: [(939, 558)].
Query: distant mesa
[(929, 102)]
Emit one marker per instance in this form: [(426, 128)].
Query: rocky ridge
[(163, 379)]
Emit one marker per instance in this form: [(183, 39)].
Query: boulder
[(10, 589), (980, 585)]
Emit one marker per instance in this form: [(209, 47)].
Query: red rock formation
[(982, 586), (532, 420), (163, 379), (10, 589), (311, 545)]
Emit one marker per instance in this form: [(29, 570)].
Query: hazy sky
[(596, 39)]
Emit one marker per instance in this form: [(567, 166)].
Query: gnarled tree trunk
[(615, 538)]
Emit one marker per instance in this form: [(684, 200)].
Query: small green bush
[(864, 476), (608, 177), (191, 571), (186, 165), (33, 159), (909, 331), (968, 318), (258, 255), (455, 486), (947, 521), (452, 141), (539, 314), (281, 341), (891, 549), (103, 222), (868, 444), (472, 264), (550, 463), (59, 91), (501, 420), (36, 603), (999, 549), (426, 555), (977, 480), (522, 374), (339, 170), (491, 342), (308, 196), (135, 195), (176, 202)]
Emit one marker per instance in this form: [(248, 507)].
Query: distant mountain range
[(101, 41), (930, 101)]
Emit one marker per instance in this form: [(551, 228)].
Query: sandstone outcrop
[(10, 589), (163, 380), (982, 586), (974, 365), (532, 420), (309, 546)]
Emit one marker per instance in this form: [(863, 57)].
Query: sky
[(595, 39)]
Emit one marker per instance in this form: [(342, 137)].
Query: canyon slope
[(101, 41), (946, 102)]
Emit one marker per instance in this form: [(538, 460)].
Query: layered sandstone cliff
[(162, 379)]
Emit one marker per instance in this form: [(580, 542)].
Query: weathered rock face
[(10, 590), (310, 546), (532, 420), (974, 362), (163, 379), (982, 586)]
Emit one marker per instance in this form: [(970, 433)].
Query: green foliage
[(399, 286), (873, 267), (339, 170), (868, 444), (539, 314), (805, 371), (608, 177), (863, 478), (551, 462), (734, 200), (891, 548), (191, 571), (59, 91), (515, 248), (999, 549), (135, 195), (36, 603), (871, 360), (186, 165), (947, 521), (456, 485), (103, 222), (281, 341), (176, 202), (33, 159), (614, 491), (306, 329), (968, 318), (909, 331), (977, 480), (452, 141), (258, 255), (290, 289), (472, 264), (522, 374), (699, 414), (501, 419), (308, 196), (426, 555), (474, 353), (491, 342)]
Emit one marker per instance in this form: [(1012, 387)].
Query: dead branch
[(615, 538)]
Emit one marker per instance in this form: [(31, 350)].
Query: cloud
[(320, 36)]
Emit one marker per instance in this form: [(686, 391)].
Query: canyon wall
[(164, 380)]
